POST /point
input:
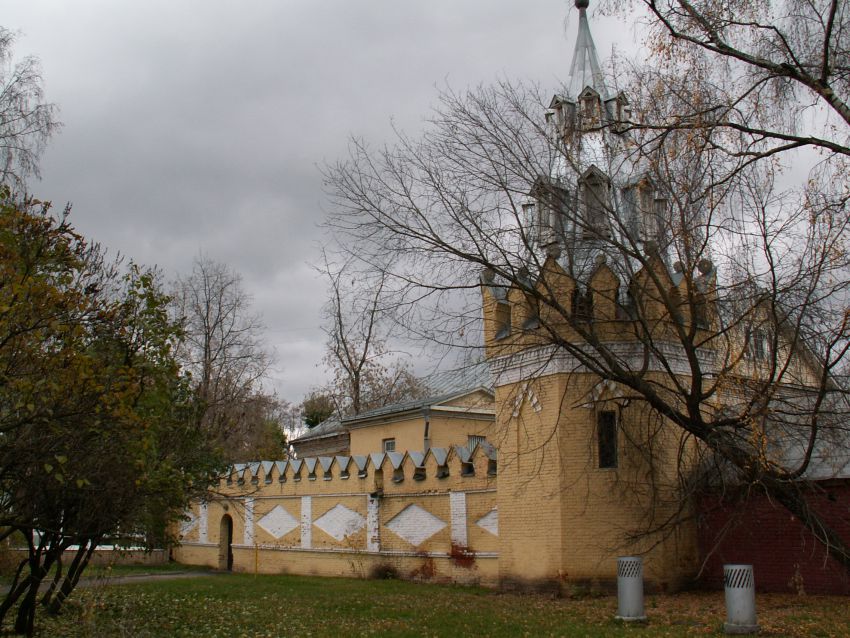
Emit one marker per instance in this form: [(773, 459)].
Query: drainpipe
[(426, 439)]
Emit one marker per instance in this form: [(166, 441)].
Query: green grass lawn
[(235, 605)]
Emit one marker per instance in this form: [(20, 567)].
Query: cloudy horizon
[(198, 127)]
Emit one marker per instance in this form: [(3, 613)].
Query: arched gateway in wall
[(225, 543)]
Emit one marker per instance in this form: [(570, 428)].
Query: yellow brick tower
[(586, 471)]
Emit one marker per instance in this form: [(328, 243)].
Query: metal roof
[(441, 386), (468, 377), (328, 427)]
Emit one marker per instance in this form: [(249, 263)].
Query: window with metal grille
[(389, 445), (606, 437), (473, 440), (595, 206)]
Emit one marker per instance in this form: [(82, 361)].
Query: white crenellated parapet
[(399, 470)]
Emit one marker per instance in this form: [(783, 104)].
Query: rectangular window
[(595, 208), (758, 345), (606, 433), (532, 224), (389, 445), (503, 320), (761, 344)]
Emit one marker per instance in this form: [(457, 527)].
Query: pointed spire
[(585, 69)]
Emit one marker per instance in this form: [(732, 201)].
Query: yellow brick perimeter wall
[(442, 525)]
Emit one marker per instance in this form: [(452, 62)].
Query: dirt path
[(141, 578), (128, 579)]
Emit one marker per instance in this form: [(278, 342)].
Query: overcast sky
[(196, 126)]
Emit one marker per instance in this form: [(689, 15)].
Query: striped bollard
[(630, 589), (740, 591)]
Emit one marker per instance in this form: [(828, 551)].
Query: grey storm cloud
[(199, 126)]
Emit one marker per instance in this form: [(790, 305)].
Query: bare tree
[(223, 351), (767, 79), (26, 121), (657, 256), (366, 373)]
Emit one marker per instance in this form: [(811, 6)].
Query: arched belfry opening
[(225, 544)]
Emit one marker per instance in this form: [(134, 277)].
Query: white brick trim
[(249, 521), (457, 508), (306, 522), (204, 516), (373, 526)]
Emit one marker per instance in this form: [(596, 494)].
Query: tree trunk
[(75, 570), (792, 500), (15, 590), (25, 620), (45, 600)]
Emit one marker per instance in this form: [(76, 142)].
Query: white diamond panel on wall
[(278, 522), (339, 522), (189, 525), (490, 522), (415, 525)]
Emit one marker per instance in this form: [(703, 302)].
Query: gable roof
[(441, 387)]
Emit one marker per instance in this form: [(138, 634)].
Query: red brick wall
[(763, 533)]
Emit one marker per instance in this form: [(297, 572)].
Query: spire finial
[(582, 4)]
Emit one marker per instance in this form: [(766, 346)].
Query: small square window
[(389, 445), (606, 433)]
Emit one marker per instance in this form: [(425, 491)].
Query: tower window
[(582, 305), (606, 438), (503, 320), (545, 217), (595, 206), (590, 107), (660, 209), (532, 224), (758, 346)]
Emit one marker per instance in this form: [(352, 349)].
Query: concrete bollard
[(630, 588), (740, 590)]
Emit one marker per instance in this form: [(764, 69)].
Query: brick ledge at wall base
[(331, 550)]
